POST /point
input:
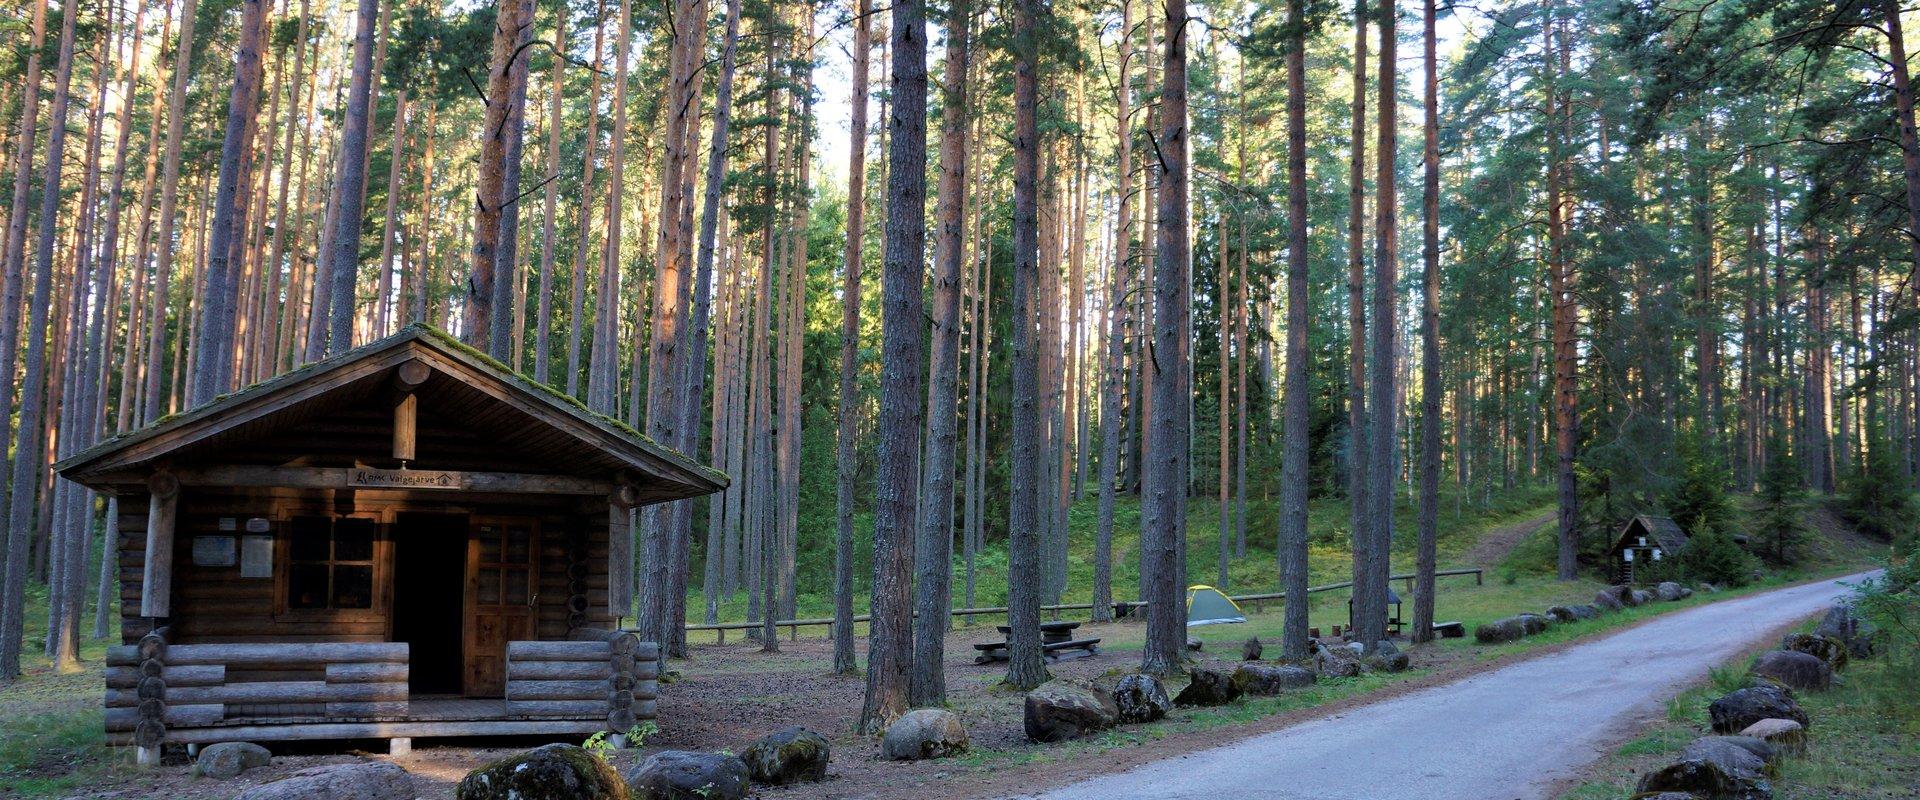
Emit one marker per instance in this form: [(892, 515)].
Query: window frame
[(381, 607)]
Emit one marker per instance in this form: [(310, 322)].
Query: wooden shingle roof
[(507, 408)]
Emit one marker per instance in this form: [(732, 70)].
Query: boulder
[(1141, 698), (1641, 597), (1736, 710), (1267, 680), (1844, 625), (1827, 649), (1670, 591), (1610, 599), (1588, 611), (924, 733), (1794, 669), (368, 780), (1668, 796), (1336, 662), (1785, 735), (1060, 710), (1391, 662), (686, 775), (1509, 629), (789, 755), (1195, 645), (1708, 588), (1763, 757), (1534, 623), (1561, 614), (550, 772), (1708, 778), (1210, 687), (1251, 650), (229, 759)]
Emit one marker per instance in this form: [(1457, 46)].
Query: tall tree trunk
[(491, 294), (556, 91), (225, 242), (1903, 119), (1430, 387), (1564, 316), (1112, 397), (604, 372), (1163, 505), (1357, 428), (934, 552), (1297, 448), (350, 184), (169, 216), (578, 289), (710, 218), (1383, 407), (390, 231), (28, 448), (846, 460), (890, 638), (1025, 667)]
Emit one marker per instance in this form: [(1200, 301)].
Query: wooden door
[(502, 577)]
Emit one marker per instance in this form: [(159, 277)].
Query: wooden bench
[(1064, 650), (1450, 630)]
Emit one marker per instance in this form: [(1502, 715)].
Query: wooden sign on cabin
[(370, 478)]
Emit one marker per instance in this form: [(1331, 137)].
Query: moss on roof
[(413, 331)]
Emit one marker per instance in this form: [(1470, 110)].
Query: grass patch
[(1864, 743)]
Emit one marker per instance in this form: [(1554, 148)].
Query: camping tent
[(1207, 606)]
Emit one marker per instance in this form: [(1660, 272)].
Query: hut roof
[(1662, 531), (513, 410)]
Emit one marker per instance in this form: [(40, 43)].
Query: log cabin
[(406, 540)]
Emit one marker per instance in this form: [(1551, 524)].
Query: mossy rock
[(789, 755), (552, 772)]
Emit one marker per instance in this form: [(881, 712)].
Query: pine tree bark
[(225, 242), (1025, 667), (604, 371), (1903, 119), (1297, 447), (1163, 504), (497, 210), (710, 218), (933, 599), (169, 215), (846, 463), (350, 184), (1357, 427), (556, 90), (28, 441), (890, 639), (590, 144), (1564, 310), (1430, 387), (1114, 380)]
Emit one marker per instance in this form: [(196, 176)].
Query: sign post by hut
[(408, 539)]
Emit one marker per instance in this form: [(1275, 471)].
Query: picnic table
[(1056, 643)]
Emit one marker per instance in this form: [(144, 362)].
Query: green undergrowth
[(1864, 743), (1329, 555)]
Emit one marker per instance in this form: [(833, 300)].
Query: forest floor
[(1497, 544), (725, 695)]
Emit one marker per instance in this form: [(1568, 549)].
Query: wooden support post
[(156, 587), (406, 414), (400, 746), (620, 548)]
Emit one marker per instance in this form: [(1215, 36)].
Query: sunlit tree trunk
[(1025, 667), (1430, 386), (349, 189), (846, 464), (1297, 447)]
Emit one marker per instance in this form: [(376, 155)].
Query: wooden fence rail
[(793, 626)]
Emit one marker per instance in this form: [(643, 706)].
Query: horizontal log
[(559, 670), (557, 690), (339, 478), (386, 708), (558, 708), (371, 672), (377, 730), (123, 655), (643, 709), (646, 690), (287, 653), (646, 670), (269, 692), (558, 651), (186, 716)]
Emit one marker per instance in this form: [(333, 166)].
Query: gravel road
[(1511, 733)]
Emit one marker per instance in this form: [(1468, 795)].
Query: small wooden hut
[(1644, 540), (405, 540)]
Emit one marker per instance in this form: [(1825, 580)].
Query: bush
[(1714, 557), (1879, 500)]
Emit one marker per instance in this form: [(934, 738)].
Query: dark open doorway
[(429, 579)]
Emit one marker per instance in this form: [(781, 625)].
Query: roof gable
[(509, 407)]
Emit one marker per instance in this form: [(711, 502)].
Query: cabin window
[(330, 563)]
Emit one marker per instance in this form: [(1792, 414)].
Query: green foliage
[(1699, 501), (1713, 556), (1779, 530), (1879, 499)]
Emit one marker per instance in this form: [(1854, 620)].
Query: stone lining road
[(1510, 733)]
